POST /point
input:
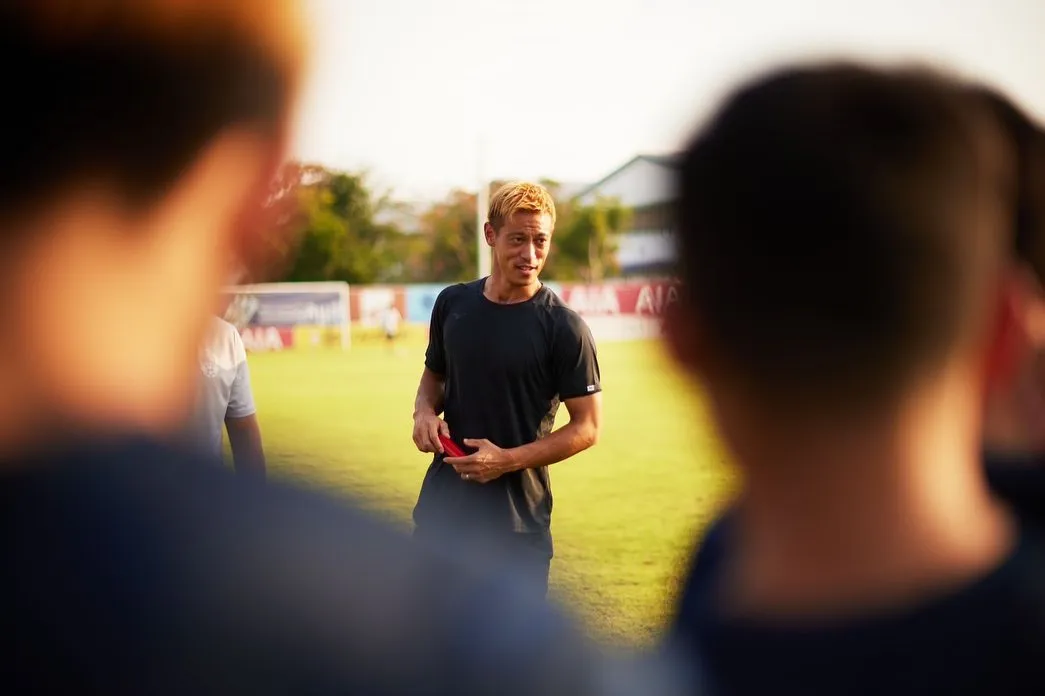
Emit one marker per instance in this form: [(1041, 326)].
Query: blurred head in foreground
[(144, 136), (845, 235), (856, 244)]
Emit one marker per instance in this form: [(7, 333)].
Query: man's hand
[(487, 463), (427, 428)]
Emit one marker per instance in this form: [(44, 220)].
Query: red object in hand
[(450, 447)]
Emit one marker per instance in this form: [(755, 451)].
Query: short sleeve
[(575, 363), (241, 397), (435, 355)]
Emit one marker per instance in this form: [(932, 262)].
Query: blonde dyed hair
[(519, 196)]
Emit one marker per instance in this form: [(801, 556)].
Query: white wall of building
[(643, 248)]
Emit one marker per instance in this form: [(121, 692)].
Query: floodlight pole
[(481, 205)]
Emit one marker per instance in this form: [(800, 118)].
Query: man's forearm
[(429, 395), (572, 438)]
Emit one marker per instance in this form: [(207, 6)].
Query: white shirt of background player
[(391, 321), (225, 396)]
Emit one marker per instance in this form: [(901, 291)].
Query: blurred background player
[(390, 321), (503, 352), (130, 184), (225, 400), (845, 236)]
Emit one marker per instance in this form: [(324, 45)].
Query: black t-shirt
[(985, 638), (506, 369), (134, 569)]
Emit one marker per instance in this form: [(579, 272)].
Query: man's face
[(521, 246)]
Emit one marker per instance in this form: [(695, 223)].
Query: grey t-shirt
[(224, 385)]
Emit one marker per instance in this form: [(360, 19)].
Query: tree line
[(343, 230)]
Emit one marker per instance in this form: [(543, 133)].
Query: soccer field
[(626, 512)]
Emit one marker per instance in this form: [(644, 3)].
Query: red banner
[(620, 299)]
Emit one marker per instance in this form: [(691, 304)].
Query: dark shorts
[(528, 554)]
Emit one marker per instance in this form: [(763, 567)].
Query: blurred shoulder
[(224, 341)]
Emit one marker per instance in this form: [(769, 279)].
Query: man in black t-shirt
[(503, 352), (846, 236)]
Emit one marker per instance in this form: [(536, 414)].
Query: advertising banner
[(277, 316), (620, 299), (286, 309), (419, 301), (370, 303), (623, 310), (259, 339), (316, 336)]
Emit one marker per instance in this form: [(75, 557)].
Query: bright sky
[(571, 89)]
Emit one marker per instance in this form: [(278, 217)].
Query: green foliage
[(585, 241), (449, 229), (340, 238), (342, 232)]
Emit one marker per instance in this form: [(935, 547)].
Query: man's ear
[(1017, 328), (490, 233), (682, 338)]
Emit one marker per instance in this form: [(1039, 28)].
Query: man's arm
[(573, 438), (429, 399), (428, 406), (489, 461), (241, 420), (247, 453)]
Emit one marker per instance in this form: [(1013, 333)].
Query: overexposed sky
[(570, 89)]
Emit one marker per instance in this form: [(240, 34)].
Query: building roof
[(669, 161), (672, 160)]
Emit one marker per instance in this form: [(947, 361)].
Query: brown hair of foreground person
[(836, 249), (143, 136)]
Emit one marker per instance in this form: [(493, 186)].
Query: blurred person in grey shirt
[(225, 400)]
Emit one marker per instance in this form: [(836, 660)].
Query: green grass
[(626, 512)]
